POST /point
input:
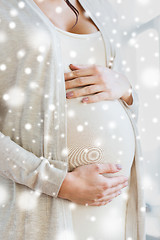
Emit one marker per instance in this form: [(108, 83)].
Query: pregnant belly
[(99, 132)]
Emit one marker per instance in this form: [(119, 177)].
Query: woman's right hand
[(86, 185)]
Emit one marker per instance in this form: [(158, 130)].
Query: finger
[(89, 70), (96, 98), (81, 81), (111, 191), (86, 91), (106, 199), (99, 203), (114, 181), (78, 66), (107, 167)]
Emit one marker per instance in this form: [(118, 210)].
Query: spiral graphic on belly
[(84, 155)]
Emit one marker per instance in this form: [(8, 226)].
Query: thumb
[(109, 167), (77, 66)]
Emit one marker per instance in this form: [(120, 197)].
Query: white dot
[(21, 4), (12, 25), (42, 49), (105, 107), (21, 53), (93, 218), (98, 14), (91, 60), (113, 136), (143, 209), (120, 139), (91, 49), (124, 62), (132, 41), (3, 67), (52, 107), (13, 12), (28, 70), (72, 206), (150, 77), (158, 138), (79, 128), (136, 19), (143, 2), (73, 54), (156, 54), (142, 59), (118, 45), (28, 126), (65, 152), (33, 85), (58, 9), (3, 37), (125, 33), (112, 125), (114, 19), (114, 31), (40, 58), (155, 120), (71, 113), (120, 152)]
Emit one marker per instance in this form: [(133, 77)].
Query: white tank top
[(98, 132)]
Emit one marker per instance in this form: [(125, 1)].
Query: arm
[(23, 167)]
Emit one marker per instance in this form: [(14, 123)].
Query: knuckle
[(99, 204), (100, 195), (79, 80), (89, 89), (105, 186), (76, 73), (110, 166), (95, 68), (75, 94), (100, 76), (109, 92), (108, 185), (97, 167)]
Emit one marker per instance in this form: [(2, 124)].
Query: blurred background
[(140, 21)]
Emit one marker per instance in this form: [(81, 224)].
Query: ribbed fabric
[(33, 125), (96, 133)]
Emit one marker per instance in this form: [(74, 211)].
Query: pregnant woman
[(65, 128)]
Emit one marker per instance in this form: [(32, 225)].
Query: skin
[(78, 186)]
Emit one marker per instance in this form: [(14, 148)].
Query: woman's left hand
[(104, 83)]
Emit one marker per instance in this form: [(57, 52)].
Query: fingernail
[(85, 99), (119, 166), (69, 94)]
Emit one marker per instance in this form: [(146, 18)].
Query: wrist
[(64, 191)]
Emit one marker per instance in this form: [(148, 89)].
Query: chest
[(62, 16)]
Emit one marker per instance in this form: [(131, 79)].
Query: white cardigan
[(33, 107)]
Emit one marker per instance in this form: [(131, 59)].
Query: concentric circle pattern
[(82, 155)]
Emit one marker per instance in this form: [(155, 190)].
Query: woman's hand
[(104, 84), (87, 186)]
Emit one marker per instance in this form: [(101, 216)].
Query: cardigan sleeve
[(23, 167)]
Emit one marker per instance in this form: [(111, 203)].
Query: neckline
[(53, 26), (78, 35)]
